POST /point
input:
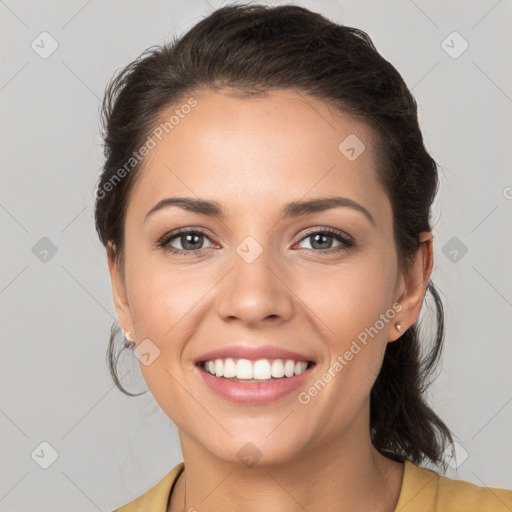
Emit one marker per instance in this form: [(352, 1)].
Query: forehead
[(257, 150)]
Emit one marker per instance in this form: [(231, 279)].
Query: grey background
[(56, 314)]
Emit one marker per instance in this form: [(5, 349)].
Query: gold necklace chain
[(185, 493)]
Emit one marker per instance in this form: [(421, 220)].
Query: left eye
[(322, 240)]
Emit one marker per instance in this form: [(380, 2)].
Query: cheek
[(162, 298), (351, 307), (350, 298), (162, 303)]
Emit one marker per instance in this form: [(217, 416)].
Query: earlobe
[(415, 282), (398, 331)]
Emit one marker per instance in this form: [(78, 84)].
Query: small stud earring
[(398, 327)]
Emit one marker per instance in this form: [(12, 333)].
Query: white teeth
[(277, 369), (219, 370), (243, 369), (229, 368), (289, 368), (262, 369)]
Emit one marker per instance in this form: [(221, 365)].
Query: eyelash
[(346, 243)]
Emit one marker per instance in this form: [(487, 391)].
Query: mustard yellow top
[(422, 490)]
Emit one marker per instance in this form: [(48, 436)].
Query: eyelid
[(332, 231), (165, 239), (345, 240)]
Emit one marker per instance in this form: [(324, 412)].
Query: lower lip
[(254, 393)]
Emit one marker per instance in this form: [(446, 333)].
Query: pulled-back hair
[(252, 49)]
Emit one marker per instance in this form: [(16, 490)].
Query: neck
[(338, 477)]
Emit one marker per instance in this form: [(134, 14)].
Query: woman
[(265, 208)]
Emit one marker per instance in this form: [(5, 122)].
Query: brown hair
[(253, 49)]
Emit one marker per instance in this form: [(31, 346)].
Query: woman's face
[(256, 276)]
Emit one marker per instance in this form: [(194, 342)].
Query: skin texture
[(252, 156)]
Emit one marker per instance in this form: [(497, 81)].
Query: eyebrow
[(292, 209)]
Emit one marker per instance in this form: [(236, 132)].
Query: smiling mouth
[(245, 375)]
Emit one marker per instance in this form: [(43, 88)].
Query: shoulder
[(155, 499), (423, 490)]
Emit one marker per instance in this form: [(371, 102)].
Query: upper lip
[(253, 353)]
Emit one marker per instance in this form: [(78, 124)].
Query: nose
[(256, 292)]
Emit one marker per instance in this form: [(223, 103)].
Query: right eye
[(190, 240)]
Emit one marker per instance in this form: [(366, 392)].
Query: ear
[(119, 292), (413, 286)]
